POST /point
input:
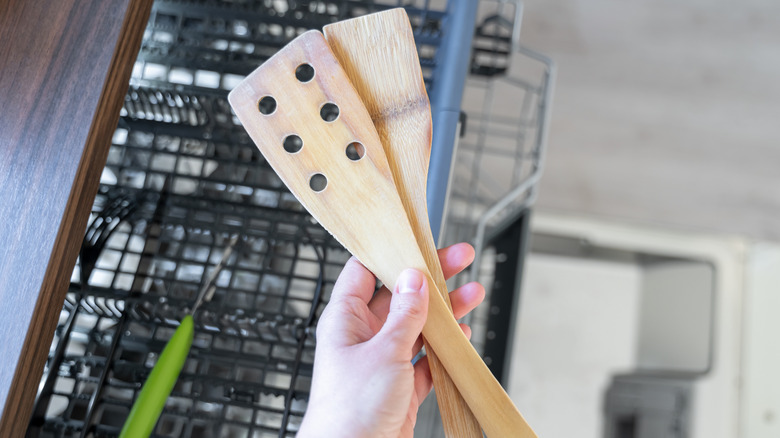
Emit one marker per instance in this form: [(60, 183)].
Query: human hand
[(364, 384)]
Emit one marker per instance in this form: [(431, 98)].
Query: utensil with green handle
[(158, 386), (151, 401)]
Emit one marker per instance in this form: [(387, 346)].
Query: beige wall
[(665, 112)]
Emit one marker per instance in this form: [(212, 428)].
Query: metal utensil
[(158, 386)]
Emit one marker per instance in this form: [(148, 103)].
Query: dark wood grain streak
[(64, 69)]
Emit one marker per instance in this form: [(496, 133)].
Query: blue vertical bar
[(449, 78)]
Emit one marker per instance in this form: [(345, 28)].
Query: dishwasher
[(182, 178)]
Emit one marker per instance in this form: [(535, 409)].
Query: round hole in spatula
[(355, 151), (329, 112), (292, 143), (304, 73), (267, 105), (318, 182)]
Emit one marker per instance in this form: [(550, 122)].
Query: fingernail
[(410, 281)]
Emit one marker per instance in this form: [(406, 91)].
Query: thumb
[(407, 315)]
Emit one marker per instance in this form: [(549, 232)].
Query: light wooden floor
[(665, 112)]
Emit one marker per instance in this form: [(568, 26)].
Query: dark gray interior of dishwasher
[(182, 177)]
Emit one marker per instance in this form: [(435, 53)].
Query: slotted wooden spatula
[(308, 121), (379, 56)]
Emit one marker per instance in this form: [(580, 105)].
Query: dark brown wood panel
[(64, 69)]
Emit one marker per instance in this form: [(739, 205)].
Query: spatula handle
[(457, 418), (158, 386)]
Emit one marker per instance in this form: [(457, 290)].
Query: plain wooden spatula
[(305, 117), (378, 54)]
